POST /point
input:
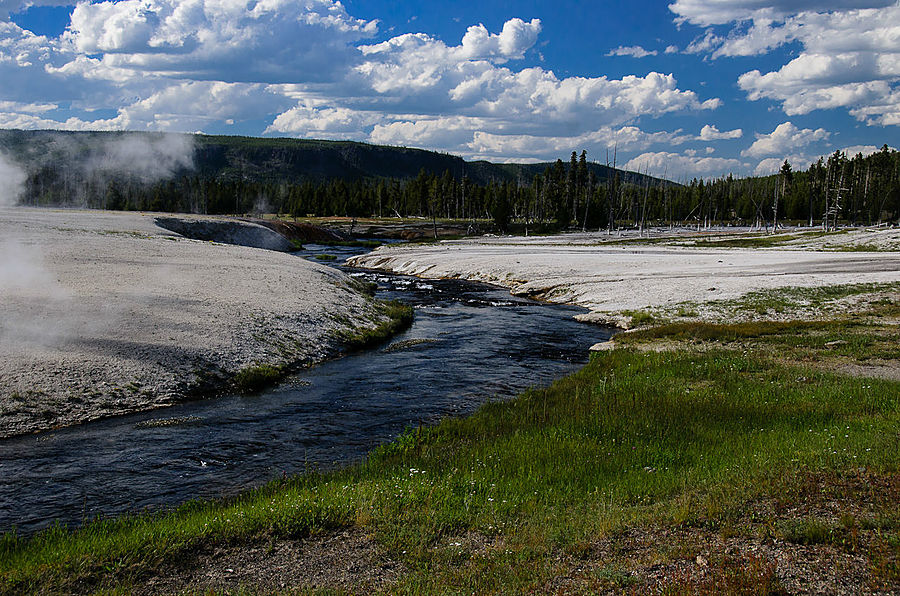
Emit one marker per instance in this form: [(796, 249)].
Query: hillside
[(255, 160)]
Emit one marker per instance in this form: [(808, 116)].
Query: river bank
[(106, 313), (615, 278), (724, 463)]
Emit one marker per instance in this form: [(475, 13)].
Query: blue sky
[(687, 88)]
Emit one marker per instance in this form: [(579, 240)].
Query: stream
[(470, 343)]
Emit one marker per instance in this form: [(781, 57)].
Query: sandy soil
[(105, 313), (606, 278)]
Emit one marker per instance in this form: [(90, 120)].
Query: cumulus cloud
[(849, 57), (188, 106), (309, 120), (626, 138), (864, 150), (633, 51), (720, 12), (680, 166), (772, 165), (711, 133), (230, 40), (512, 42), (785, 138), (308, 68)]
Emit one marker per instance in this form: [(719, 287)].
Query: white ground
[(607, 278), (103, 313)]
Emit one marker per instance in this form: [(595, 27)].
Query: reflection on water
[(469, 343)]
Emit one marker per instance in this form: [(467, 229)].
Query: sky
[(691, 88)]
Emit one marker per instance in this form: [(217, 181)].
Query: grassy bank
[(643, 460), (395, 318)]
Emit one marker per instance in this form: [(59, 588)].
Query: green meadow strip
[(680, 436)]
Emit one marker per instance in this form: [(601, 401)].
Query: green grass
[(399, 317), (681, 437), (255, 378), (800, 301), (642, 318)]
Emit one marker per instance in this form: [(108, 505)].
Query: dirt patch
[(889, 371), (349, 560), (761, 551)]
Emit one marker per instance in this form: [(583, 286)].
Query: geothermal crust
[(606, 278), (105, 313)]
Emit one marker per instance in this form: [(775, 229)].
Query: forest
[(576, 193)]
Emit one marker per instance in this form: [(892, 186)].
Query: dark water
[(481, 344)]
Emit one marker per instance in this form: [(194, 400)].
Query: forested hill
[(254, 160)]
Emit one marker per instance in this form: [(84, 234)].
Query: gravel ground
[(607, 278), (106, 313)]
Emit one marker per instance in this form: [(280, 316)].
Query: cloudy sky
[(691, 88)]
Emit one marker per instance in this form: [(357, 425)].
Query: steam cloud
[(148, 159), (12, 182), (38, 308)]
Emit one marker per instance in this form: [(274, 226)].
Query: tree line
[(837, 189)]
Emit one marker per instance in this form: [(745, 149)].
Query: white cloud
[(704, 44), (229, 40), (26, 108), (434, 84), (762, 37), (681, 166), (627, 138), (194, 105), (311, 121), (720, 12), (671, 49), (785, 138), (512, 42), (772, 165), (711, 133), (450, 133), (195, 65), (865, 150), (633, 51), (849, 58), (13, 6)]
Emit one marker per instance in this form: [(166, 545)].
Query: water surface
[(469, 343)]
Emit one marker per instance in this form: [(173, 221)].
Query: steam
[(37, 308), (147, 159), (12, 183), (38, 311)]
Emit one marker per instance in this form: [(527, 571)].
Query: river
[(469, 343)]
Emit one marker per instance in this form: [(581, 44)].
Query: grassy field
[(698, 468)]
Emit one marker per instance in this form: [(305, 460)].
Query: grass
[(791, 303), (255, 378), (399, 317), (642, 318), (680, 437)]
